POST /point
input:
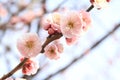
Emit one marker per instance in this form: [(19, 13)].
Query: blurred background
[(96, 56)]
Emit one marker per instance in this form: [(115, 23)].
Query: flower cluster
[(71, 26)]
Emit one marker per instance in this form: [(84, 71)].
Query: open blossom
[(71, 24), (51, 23), (30, 67), (29, 45), (86, 20), (54, 50), (100, 3)]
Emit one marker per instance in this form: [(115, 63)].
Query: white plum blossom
[(71, 24), (29, 45), (53, 50)]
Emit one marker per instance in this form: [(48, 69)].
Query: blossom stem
[(49, 39), (14, 70), (90, 8)]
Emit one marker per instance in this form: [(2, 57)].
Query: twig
[(90, 8), (14, 70), (84, 53), (43, 2), (49, 39)]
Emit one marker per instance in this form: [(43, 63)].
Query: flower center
[(29, 44), (52, 50), (70, 25)]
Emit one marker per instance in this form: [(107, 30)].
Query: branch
[(50, 39), (44, 5), (90, 8), (14, 70), (84, 53)]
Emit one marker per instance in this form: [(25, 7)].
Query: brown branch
[(44, 5), (90, 8), (84, 53), (14, 70), (50, 39)]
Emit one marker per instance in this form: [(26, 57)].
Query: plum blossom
[(86, 20), (53, 50), (51, 23), (71, 24), (71, 41), (100, 3), (29, 45), (30, 67)]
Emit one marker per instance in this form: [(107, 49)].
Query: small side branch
[(90, 8)]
